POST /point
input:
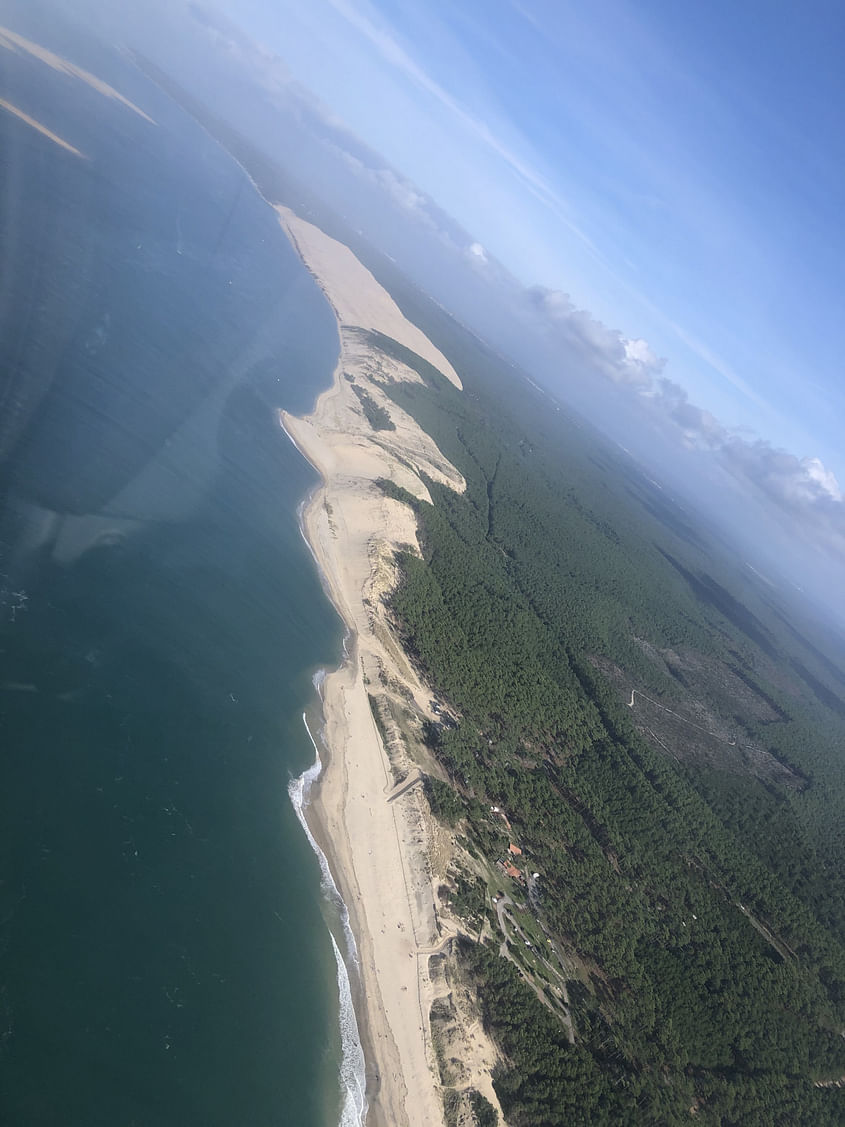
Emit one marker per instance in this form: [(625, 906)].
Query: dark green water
[(164, 956)]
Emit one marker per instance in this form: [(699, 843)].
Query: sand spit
[(371, 818), (354, 294)]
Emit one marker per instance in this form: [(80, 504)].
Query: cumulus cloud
[(477, 253), (802, 487), (400, 190), (620, 359), (700, 429), (823, 477), (556, 304), (640, 358), (799, 483), (803, 490)]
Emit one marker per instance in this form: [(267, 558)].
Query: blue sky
[(675, 167)]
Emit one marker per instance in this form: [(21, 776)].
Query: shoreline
[(385, 1090), (367, 812), (314, 821), (375, 848), (354, 1086)]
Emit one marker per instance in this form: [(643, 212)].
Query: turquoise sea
[(164, 955)]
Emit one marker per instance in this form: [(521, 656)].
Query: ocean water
[(164, 955)]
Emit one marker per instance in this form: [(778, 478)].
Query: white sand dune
[(378, 850)]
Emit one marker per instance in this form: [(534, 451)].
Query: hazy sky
[(675, 167)]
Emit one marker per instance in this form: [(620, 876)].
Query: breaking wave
[(352, 1065)]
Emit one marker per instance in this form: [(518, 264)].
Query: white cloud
[(553, 302), (804, 485), (620, 359), (803, 489), (823, 477), (400, 190), (641, 360), (476, 251)]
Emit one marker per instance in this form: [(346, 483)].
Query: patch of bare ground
[(703, 722), (465, 1055)]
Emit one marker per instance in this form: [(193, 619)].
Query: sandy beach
[(368, 811)]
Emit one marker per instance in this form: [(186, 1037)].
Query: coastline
[(353, 1077), (375, 843)]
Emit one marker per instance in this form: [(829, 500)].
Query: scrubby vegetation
[(377, 416), (484, 1112)]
